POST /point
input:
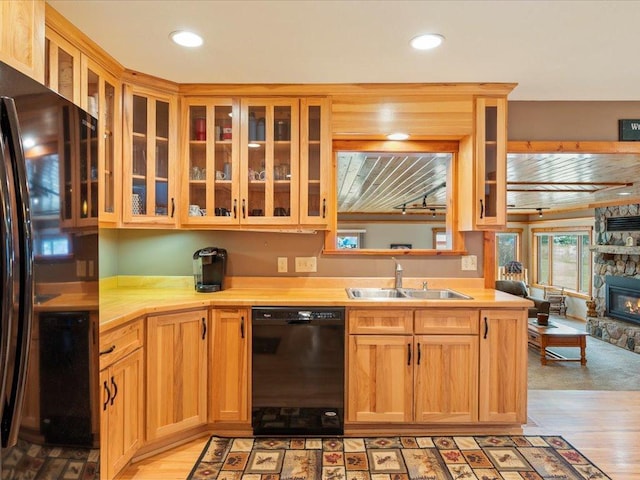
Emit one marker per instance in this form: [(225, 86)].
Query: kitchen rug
[(394, 458)]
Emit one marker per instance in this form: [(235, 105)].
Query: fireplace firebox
[(623, 298)]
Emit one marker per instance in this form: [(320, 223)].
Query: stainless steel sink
[(374, 293), (406, 293), (434, 294)]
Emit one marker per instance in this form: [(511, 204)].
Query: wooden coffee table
[(555, 335)]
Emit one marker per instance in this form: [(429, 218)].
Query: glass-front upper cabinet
[(315, 162), (210, 193), (101, 93), (491, 162), (269, 173), (149, 146), (62, 66)]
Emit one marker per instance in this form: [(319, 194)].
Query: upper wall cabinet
[(255, 162), (482, 168), (62, 66), (149, 156), (22, 36)]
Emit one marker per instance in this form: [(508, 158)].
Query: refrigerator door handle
[(8, 262), (14, 396)]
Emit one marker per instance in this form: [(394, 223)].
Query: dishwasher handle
[(301, 321)]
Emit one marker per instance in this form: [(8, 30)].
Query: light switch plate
[(306, 264), (470, 262), (283, 264)]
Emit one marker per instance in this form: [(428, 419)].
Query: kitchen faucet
[(398, 273)]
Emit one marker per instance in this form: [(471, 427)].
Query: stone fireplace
[(616, 267)]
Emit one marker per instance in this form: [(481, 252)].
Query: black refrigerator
[(48, 258)]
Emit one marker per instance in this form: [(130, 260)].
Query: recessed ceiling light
[(186, 39), (427, 41), (397, 136)]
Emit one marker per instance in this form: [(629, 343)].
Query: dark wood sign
[(628, 130)]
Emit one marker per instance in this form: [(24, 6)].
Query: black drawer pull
[(108, 350)]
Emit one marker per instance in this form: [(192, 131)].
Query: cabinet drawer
[(118, 343), (451, 321), (398, 322)]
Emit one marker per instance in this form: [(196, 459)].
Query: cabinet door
[(100, 96), (121, 418), (491, 161), (211, 170), (269, 136), (149, 156), (503, 366), (380, 382), (229, 378), (62, 66), (176, 372), (22, 36), (316, 207), (446, 378)]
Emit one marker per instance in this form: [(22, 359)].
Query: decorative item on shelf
[(200, 128), (260, 129), (226, 169), (220, 175), (252, 127), (282, 130), (226, 131), (630, 242), (136, 205), (591, 307), (194, 211)]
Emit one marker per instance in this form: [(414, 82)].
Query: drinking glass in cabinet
[(139, 159)]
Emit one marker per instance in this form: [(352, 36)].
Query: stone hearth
[(613, 257)]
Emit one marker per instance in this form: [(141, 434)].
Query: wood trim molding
[(572, 147)]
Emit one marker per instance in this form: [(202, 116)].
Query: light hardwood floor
[(603, 425)]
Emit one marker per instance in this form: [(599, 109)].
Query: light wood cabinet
[(121, 384), (176, 349), (149, 157), (380, 381), (255, 162), (22, 36), (229, 376), (62, 66), (503, 366), (101, 96), (121, 420), (483, 168), (431, 366)]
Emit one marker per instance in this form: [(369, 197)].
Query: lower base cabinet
[(446, 366), (176, 347), (121, 421), (229, 375)]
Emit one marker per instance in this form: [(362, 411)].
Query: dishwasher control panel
[(297, 313)]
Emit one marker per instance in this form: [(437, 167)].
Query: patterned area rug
[(35, 462), (393, 458)]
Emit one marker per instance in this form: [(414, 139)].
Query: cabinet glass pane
[(490, 200), (66, 209), (197, 160), (257, 156), (65, 74), (93, 85), (282, 162), (88, 167), (221, 178), (108, 187), (313, 182), (139, 187)]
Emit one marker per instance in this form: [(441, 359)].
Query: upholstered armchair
[(519, 288)]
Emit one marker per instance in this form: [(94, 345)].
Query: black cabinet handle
[(235, 208), (173, 207), (481, 209), (204, 328), (242, 326), (324, 208), (115, 390), (419, 354), (108, 393), (408, 354), (486, 327), (108, 350), (244, 214)]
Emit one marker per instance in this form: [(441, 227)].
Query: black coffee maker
[(209, 267)]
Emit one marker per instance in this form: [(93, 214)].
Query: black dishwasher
[(297, 370)]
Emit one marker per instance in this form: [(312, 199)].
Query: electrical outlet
[(283, 264), (306, 264), (470, 262), (91, 273), (81, 268)]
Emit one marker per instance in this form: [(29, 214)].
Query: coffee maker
[(209, 267)]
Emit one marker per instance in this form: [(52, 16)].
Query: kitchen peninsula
[(191, 354)]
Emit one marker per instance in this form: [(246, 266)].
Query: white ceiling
[(554, 50)]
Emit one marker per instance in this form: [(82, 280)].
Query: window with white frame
[(563, 259)]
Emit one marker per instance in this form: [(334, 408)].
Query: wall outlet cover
[(470, 262), (306, 264), (283, 264)]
